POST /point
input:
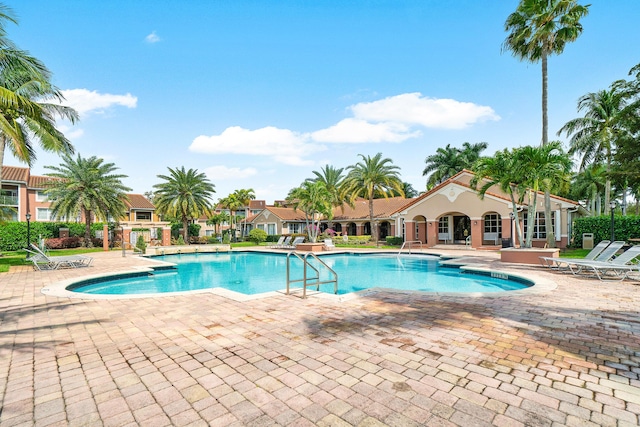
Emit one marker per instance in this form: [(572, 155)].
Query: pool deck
[(567, 356)]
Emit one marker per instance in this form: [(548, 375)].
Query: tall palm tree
[(184, 194), (25, 113), (332, 179), (370, 177), (501, 170), (232, 203), (89, 187), (449, 161), (540, 28), (594, 136), (245, 196), (314, 199), (218, 219)]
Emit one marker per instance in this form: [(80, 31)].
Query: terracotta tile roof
[(382, 208), (285, 214), (13, 173), (138, 201), (257, 204), (39, 181)]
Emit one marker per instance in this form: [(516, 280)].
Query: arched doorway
[(366, 229), (461, 228), (351, 229)]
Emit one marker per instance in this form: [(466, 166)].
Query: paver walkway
[(567, 357)]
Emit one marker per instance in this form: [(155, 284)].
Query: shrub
[(63, 243), (180, 240), (226, 239), (393, 240), (213, 239), (625, 227), (141, 245), (257, 236), (273, 238)]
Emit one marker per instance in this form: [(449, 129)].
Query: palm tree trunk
[(545, 119), (185, 225), (374, 231), (548, 224), (87, 229), (3, 142)]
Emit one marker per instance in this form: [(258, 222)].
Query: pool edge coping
[(540, 285)]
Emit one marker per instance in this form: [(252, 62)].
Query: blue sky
[(258, 94)]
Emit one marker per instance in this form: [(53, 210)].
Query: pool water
[(254, 273)]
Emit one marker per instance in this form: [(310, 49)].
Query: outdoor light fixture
[(28, 217), (612, 205), (512, 216)]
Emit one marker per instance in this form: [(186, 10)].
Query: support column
[(477, 225), (410, 230), (166, 236), (432, 233), (105, 237)]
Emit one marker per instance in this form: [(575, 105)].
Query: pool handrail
[(410, 242), (305, 278)]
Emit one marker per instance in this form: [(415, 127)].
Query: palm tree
[(370, 177), (594, 136), (245, 196), (449, 161), (501, 171), (25, 114), (332, 179), (218, 219), (87, 187), (539, 28), (544, 168), (589, 184), (232, 203), (314, 199), (185, 195)]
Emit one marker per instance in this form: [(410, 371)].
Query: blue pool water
[(253, 273)]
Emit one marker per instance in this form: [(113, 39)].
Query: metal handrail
[(410, 242), (305, 278)]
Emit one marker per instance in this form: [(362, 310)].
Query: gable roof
[(138, 201), (284, 214), (13, 173)]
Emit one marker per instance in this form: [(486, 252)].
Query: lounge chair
[(295, 242), (68, 261), (618, 268), (286, 243), (595, 253), (328, 245), (278, 244)]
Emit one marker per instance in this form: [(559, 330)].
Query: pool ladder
[(306, 280), (409, 244)]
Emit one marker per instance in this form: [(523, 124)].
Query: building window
[(443, 225), (41, 196), (492, 224), (294, 228), (260, 226), (539, 231), (143, 216), (271, 229), (43, 214)]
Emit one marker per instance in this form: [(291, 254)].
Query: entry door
[(461, 228)]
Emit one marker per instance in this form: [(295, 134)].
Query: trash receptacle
[(506, 243), (587, 240)]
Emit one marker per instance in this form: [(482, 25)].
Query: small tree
[(141, 245), (257, 236)]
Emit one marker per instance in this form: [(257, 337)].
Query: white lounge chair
[(328, 245), (39, 258), (279, 243), (618, 268), (286, 243), (595, 253), (295, 242)]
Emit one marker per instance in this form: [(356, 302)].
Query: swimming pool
[(253, 273)]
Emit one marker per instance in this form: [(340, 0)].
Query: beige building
[(452, 213)]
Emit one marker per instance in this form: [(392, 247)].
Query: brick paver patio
[(566, 357)]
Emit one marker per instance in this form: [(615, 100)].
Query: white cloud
[(71, 132), (361, 131), (85, 101), (393, 119), (152, 38), (223, 172), (416, 110), (283, 145)]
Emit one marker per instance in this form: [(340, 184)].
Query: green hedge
[(625, 228), (13, 234), (394, 241)]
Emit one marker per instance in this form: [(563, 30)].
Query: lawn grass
[(574, 253), (7, 259)]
